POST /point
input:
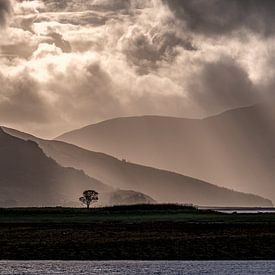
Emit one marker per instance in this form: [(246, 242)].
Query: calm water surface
[(137, 267), (241, 210)]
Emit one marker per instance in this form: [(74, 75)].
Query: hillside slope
[(235, 149), (29, 178), (164, 186)]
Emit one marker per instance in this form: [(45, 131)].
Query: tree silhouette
[(89, 196)]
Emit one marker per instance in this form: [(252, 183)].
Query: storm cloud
[(5, 11), (65, 64), (231, 89), (218, 17)]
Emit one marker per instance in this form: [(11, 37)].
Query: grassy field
[(127, 214), (144, 232)]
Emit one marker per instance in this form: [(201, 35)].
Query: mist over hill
[(235, 149), (164, 186)]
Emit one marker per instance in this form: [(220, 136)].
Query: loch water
[(136, 267)]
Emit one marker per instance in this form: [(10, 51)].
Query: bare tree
[(89, 197)]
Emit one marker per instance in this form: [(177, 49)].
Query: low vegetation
[(127, 213), (139, 232)]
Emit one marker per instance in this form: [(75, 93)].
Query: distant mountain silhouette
[(164, 186), (29, 178), (235, 149)]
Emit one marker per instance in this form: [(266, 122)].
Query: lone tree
[(89, 196)]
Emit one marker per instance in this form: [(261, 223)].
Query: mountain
[(235, 149), (30, 178), (164, 186)]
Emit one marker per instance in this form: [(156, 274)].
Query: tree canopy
[(89, 197)]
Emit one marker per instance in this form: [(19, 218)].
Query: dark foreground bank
[(156, 232)]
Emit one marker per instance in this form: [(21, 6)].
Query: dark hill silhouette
[(235, 149), (164, 186), (29, 178)]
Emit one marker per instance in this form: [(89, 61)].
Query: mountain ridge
[(164, 186), (235, 148), (36, 179)]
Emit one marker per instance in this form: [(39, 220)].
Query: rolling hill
[(29, 178), (164, 186), (235, 149)]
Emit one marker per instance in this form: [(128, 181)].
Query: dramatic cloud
[(64, 64), (232, 88), (216, 17), (20, 100), (5, 11), (146, 49)]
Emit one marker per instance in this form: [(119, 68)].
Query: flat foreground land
[(163, 232)]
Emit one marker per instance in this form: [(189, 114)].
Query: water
[(247, 211), (240, 210), (137, 267)]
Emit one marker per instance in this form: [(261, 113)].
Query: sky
[(67, 64)]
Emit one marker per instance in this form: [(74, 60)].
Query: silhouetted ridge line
[(164, 186)]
